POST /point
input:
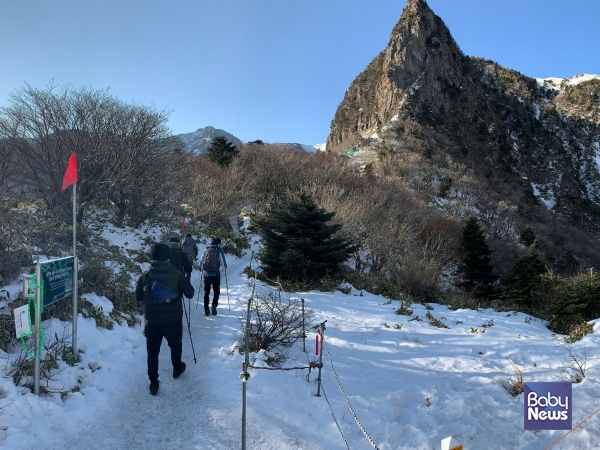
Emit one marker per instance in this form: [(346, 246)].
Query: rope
[(346, 398), (334, 419), (580, 423), (312, 365)]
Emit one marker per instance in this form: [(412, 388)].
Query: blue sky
[(274, 70)]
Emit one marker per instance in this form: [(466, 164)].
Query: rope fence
[(578, 425), (334, 419), (348, 401), (313, 365)]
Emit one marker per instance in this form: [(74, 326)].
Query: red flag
[(183, 224), (70, 174)]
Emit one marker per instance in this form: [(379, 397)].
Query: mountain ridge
[(536, 139), (197, 142)]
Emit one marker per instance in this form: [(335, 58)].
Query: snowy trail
[(201, 409), (184, 414)]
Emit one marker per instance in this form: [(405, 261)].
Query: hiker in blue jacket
[(212, 261)]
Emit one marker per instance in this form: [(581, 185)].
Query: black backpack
[(212, 259)]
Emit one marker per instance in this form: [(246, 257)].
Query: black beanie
[(215, 241), (188, 235), (174, 239), (161, 252)]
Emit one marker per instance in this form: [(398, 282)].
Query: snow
[(311, 148), (560, 83), (596, 146), (581, 78), (410, 384), (548, 200)]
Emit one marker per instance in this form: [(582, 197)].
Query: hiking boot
[(207, 311), (177, 371), (154, 385), (214, 310)]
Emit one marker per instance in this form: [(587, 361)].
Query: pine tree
[(527, 236), (299, 244), (523, 279), (221, 151), (475, 269)]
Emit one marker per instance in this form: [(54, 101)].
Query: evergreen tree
[(527, 236), (299, 244), (221, 151), (475, 268), (579, 302), (523, 279)]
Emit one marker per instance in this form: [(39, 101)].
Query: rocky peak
[(539, 140), (416, 42), (421, 54)]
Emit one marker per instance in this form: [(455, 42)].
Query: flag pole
[(75, 267)]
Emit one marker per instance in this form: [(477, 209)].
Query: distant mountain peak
[(198, 141)]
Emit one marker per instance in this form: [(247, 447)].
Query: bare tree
[(6, 157), (124, 151)]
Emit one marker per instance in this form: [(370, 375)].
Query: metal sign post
[(54, 280), (36, 329), (75, 279), (74, 345)]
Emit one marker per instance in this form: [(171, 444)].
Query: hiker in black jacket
[(178, 259), (212, 261), (162, 317)]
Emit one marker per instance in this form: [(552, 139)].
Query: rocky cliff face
[(541, 137)]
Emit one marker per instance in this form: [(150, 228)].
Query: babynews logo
[(548, 406)]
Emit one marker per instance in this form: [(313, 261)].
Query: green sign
[(57, 279)]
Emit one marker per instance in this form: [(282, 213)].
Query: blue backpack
[(160, 291)]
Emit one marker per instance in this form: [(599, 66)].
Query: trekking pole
[(198, 296), (189, 331), (227, 286)]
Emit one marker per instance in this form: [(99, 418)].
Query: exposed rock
[(542, 135)]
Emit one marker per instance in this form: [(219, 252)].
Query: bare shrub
[(275, 323), (576, 366), (56, 348), (272, 173), (516, 386), (214, 192)]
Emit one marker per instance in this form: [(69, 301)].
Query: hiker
[(190, 248), (161, 289), (178, 258), (212, 260)]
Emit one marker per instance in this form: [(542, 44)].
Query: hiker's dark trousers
[(215, 283), (154, 334)]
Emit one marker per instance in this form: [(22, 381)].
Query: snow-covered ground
[(410, 384)]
